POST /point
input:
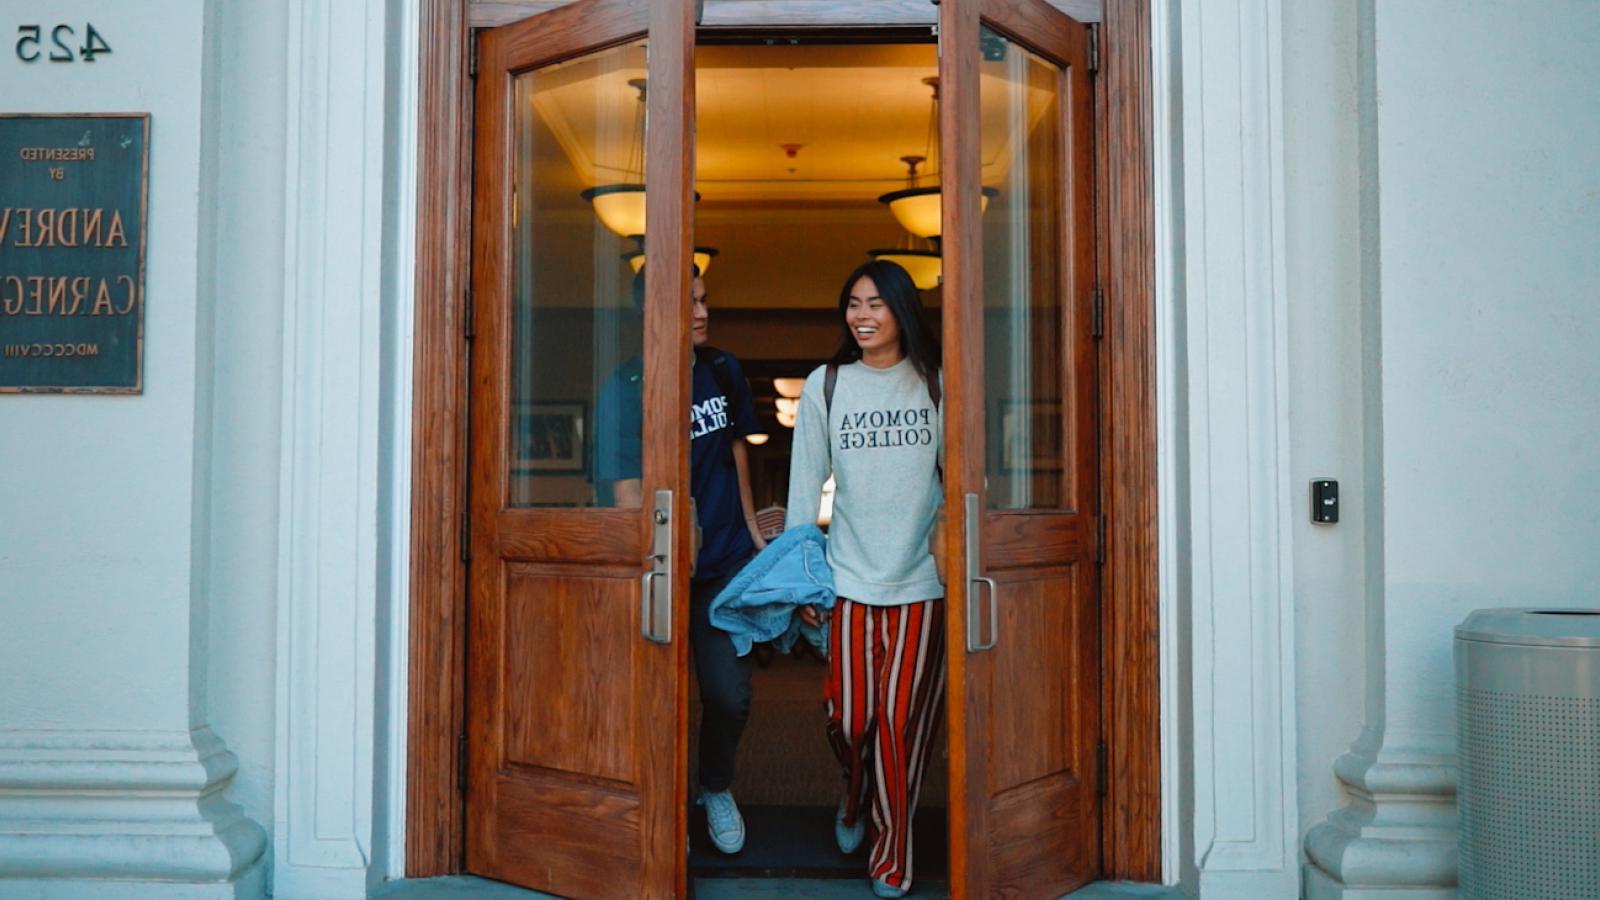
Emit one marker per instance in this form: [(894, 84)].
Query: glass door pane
[(576, 369), (1025, 274)]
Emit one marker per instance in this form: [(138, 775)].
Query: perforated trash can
[(1528, 747)]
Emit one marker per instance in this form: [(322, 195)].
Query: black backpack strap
[(718, 361), (829, 379)]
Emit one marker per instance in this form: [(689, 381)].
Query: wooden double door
[(577, 645)]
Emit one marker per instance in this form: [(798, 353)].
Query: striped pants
[(885, 695)]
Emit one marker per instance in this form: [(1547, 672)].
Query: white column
[(1396, 834), (329, 534), (1227, 345)]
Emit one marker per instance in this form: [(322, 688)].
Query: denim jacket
[(760, 603)]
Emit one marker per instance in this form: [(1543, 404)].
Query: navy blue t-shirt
[(715, 422)]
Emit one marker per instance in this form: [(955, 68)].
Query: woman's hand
[(813, 616)]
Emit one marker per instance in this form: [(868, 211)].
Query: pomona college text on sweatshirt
[(883, 442)]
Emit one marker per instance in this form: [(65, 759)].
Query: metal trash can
[(1528, 748)]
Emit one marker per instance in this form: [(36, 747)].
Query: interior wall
[(790, 257)]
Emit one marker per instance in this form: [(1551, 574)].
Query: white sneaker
[(723, 821), (848, 836)]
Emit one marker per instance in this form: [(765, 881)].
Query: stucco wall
[(1448, 226), (1322, 227), (99, 498), (137, 542), (242, 251), (1488, 156)]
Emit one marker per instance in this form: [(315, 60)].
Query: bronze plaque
[(72, 236)]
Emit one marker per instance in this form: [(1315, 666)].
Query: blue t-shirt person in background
[(721, 414)]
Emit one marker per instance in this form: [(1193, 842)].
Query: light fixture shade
[(787, 405), (619, 206), (918, 209), (925, 267), (785, 419), (758, 438), (702, 258), (788, 387)]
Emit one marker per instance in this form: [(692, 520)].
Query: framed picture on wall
[(1030, 436), (548, 437)]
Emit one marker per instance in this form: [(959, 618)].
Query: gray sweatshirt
[(882, 443)]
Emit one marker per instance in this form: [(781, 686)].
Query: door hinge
[(465, 537), (472, 53), (469, 313), (1100, 769), (1100, 540), (461, 762), (1094, 49), (1097, 315)]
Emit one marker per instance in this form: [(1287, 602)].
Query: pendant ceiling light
[(621, 205), (788, 387), (917, 208), (702, 258), (925, 267)]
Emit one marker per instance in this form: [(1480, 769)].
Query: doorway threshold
[(467, 887)]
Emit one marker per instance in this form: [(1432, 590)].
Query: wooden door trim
[(435, 832), (962, 312), (436, 710), (766, 14), (1131, 673)]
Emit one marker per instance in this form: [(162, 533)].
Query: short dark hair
[(638, 284)]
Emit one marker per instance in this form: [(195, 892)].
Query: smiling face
[(699, 313), (871, 322)]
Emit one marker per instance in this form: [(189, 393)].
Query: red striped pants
[(885, 695)]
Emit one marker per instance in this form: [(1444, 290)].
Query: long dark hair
[(895, 287)]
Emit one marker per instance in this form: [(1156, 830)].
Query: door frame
[(1131, 810)]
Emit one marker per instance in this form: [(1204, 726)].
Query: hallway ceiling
[(853, 111)]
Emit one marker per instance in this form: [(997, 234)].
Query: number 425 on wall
[(30, 40)]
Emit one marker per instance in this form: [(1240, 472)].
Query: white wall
[(1478, 285), (1321, 181), (243, 252), (1489, 173), (109, 574), (98, 491)]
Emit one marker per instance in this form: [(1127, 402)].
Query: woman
[(877, 429)]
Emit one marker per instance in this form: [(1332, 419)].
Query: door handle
[(975, 581), (652, 624)]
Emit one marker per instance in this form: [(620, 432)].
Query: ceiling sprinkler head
[(791, 150)]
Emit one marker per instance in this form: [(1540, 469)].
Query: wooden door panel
[(576, 782), (1026, 674), (1022, 367), (1023, 819), (584, 839), (586, 720), (1023, 540), (586, 537)]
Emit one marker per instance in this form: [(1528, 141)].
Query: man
[(721, 414)]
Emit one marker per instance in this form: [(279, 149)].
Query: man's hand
[(813, 616)]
